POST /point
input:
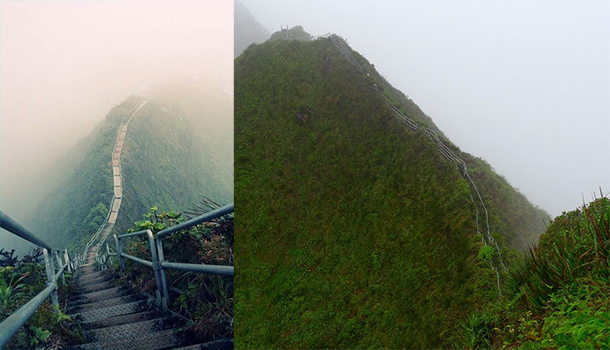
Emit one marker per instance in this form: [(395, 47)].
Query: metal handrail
[(11, 325), (158, 263), (341, 46)]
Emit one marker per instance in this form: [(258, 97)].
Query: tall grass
[(576, 245)]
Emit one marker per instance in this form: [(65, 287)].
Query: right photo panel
[(422, 174)]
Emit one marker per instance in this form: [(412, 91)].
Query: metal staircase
[(112, 315)]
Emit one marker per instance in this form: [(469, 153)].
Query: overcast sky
[(64, 64), (523, 84)]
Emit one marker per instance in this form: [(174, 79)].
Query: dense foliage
[(207, 300), (352, 231), (20, 281), (559, 293), (161, 149)]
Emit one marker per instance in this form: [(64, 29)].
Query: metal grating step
[(137, 328), (77, 294), (106, 303), (94, 287), (85, 276), (91, 281), (109, 293), (124, 319), (112, 311), (221, 344), (92, 275), (152, 341)]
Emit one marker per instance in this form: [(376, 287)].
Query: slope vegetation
[(162, 163), (353, 231), (559, 295)]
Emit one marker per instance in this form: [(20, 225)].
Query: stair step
[(90, 281), (105, 303), (137, 328), (94, 287), (112, 311), (109, 293), (91, 275), (152, 341), (124, 319), (221, 344), (77, 294)]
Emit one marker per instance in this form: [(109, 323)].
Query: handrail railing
[(158, 263), (11, 325), (341, 46)]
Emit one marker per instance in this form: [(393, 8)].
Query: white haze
[(524, 85), (64, 65)]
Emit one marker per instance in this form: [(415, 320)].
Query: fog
[(64, 65), (524, 85)]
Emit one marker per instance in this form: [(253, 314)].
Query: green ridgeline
[(353, 232), (163, 163)]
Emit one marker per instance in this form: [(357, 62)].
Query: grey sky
[(523, 84), (64, 64)]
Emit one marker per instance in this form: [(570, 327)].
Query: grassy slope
[(351, 231), (559, 294), (163, 163)]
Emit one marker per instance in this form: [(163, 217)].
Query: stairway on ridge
[(117, 317)]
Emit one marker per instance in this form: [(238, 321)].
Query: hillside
[(558, 296), (354, 231), (164, 162)]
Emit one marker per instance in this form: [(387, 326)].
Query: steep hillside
[(559, 295), (354, 231), (163, 163)]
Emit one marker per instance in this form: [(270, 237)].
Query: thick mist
[(64, 65), (524, 85)]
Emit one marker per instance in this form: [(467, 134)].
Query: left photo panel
[(116, 174)]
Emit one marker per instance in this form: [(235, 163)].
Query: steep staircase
[(116, 317)]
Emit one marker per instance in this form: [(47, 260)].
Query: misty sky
[(64, 64), (523, 84)]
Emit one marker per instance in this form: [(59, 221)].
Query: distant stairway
[(117, 317)]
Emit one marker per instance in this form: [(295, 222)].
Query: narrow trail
[(445, 151), (117, 177)]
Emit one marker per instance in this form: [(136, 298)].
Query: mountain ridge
[(163, 163), (334, 189)]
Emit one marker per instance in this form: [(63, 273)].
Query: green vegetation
[(73, 211), (207, 300), (353, 232), (163, 162), (558, 294), (20, 281)]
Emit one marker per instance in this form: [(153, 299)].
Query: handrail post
[(161, 257), (48, 263), (156, 269), (68, 261), (119, 252), (59, 265), (107, 254)]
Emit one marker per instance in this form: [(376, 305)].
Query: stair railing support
[(68, 261), (59, 265), (48, 263), (108, 256), (119, 253), (163, 278), (156, 268)]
